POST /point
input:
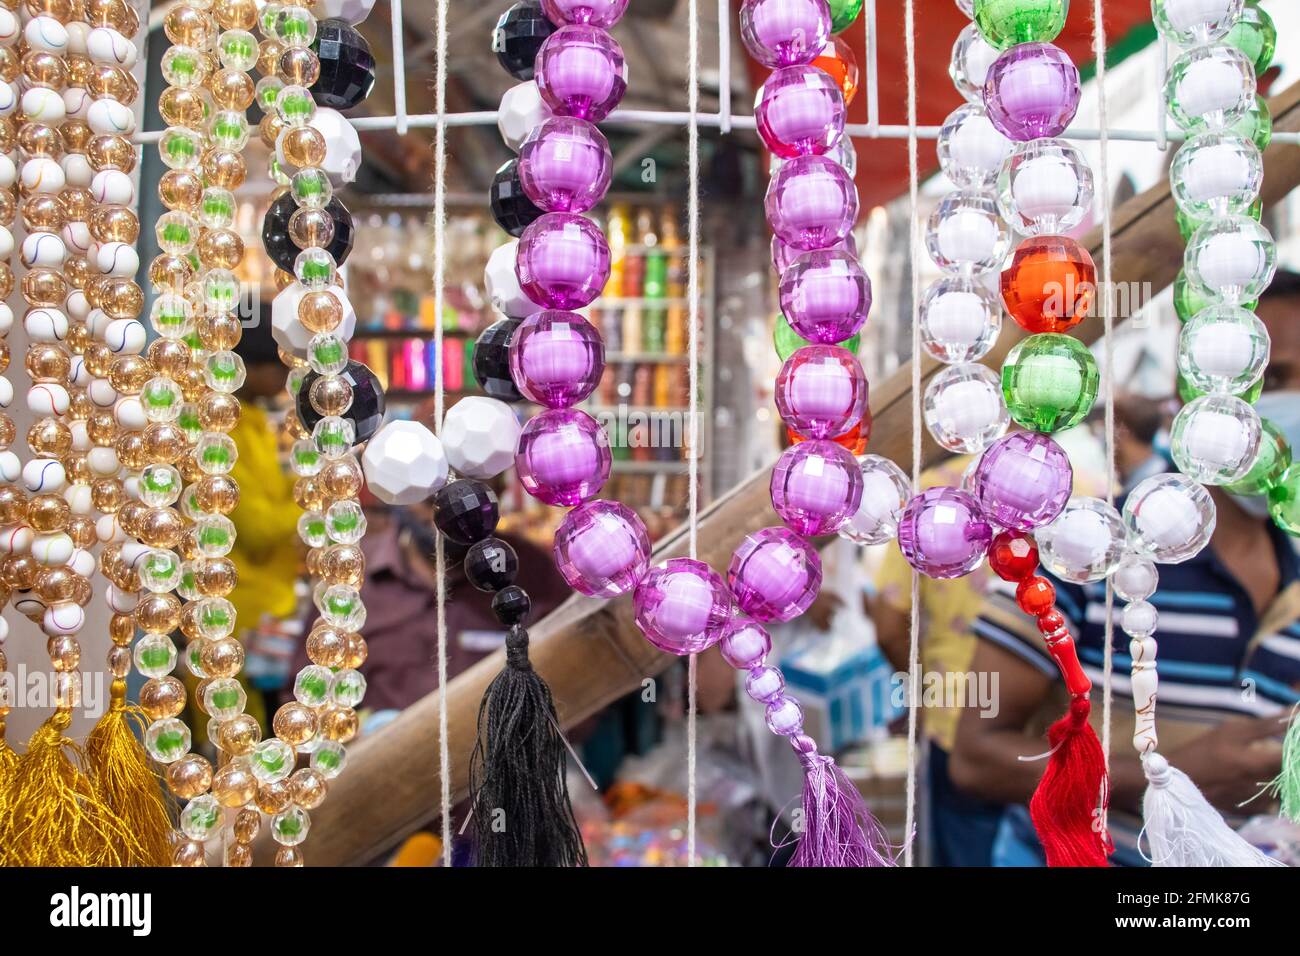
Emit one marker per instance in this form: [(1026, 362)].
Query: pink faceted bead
[(785, 32), (563, 457), (1023, 481), (580, 71), (784, 254), (562, 261), (565, 165), (596, 13), (816, 486), (682, 606), (800, 112), (774, 575), (602, 549), (811, 202), (821, 391), (825, 296), (556, 358), (942, 533), (745, 643)]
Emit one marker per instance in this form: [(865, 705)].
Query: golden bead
[(190, 776), (234, 785), (115, 224), (42, 213), (9, 72), (111, 152), (81, 529), (269, 129), (304, 146), (311, 228), (37, 139), (169, 357), (180, 189), (343, 564), (121, 298), (121, 629), (219, 331), (64, 652), (99, 359), (160, 613), (224, 168), (163, 697), (223, 658), (79, 69), (103, 430), (274, 797), (170, 273), (165, 442), (193, 387), (232, 89), (248, 823), (320, 311), (47, 362), (309, 788), (330, 396), (56, 584), (282, 281), (288, 856), (76, 269), (239, 735), (308, 494), (357, 651), (239, 855), (13, 505), (185, 25), (341, 478), (49, 438), (217, 494), (77, 203), (299, 66), (327, 646), (188, 854), (19, 571), (48, 513), (338, 723), (8, 430), (118, 661), (294, 723), (45, 287), (268, 56), (235, 14), (220, 248), (215, 577)]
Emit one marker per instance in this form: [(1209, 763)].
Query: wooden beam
[(590, 651)]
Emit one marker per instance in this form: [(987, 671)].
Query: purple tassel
[(838, 828)]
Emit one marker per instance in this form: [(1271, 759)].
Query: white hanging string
[(693, 359), (1106, 302), (439, 277), (914, 637)]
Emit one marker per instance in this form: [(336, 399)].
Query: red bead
[(1035, 595), (838, 60), (1050, 622), (1050, 284), (855, 439), (1013, 556)]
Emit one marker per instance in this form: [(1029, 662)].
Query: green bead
[(1188, 392), (843, 13), (1254, 35), (787, 341), (1274, 458), (1049, 382), (1256, 125), (1187, 301), (1005, 23), (1187, 225), (1284, 501)]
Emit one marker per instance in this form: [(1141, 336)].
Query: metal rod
[(724, 66), (399, 70), (873, 70)]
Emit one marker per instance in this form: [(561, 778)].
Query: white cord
[(693, 353), (439, 277), (914, 637)]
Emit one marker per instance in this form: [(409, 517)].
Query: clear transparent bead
[(1194, 22), (155, 655), (312, 530), (172, 315), (966, 234), (1084, 543), (216, 453), (295, 26), (184, 66), (194, 658), (224, 698), (237, 50), (271, 760), (334, 436), (1136, 579), (295, 105), (181, 147), (229, 130), (304, 459), (960, 319), (1216, 174), (220, 291), (215, 536), (1139, 619), (167, 740), (311, 188), (267, 92), (1231, 260), (885, 491), (345, 522), (215, 617), (187, 589), (177, 232), (315, 268), (312, 685), (341, 606), (160, 485), (1210, 87), (972, 56), (963, 408), (971, 149), (1045, 187), (162, 399), (1223, 349), (329, 758), (1215, 439), (201, 818), (224, 372), (327, 353), (217, 207), (290, 827), (348, 688), (160, 571), (1169, 517)]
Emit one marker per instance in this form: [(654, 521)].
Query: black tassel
[(522, 813)]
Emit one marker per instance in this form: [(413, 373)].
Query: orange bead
[(1050, 284), (855, 439), (838, 60)]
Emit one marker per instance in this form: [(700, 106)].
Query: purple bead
[(745, 643), (811, 203), (784, 716), (774, 574), (785, 32), (800, 112), (565, 165), (784, 254), (562, 261), (1023, 481), (596, 13), (1032, 92), (602, 549), (563, 457), (764, 684), (581, 72), (943, 534), (821, 391), (825, 296), (682, 606), (556, 358), (816, 487)]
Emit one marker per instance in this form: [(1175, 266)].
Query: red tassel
[(1068, 806)]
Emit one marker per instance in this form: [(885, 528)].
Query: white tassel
[(1183, 829)]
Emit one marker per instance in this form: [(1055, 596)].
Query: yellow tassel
[(126, 782), (8, 763), (53, 816)]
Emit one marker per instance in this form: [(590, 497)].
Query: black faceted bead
[(511, 605), (465, 510), (518, 35), (367, 410), (491, 565), (511, 208), (347, 70), (283, 250), (492, 360)]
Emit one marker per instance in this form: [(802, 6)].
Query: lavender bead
[(784, 717), (745, 643), (800, 112), (1032, 92), (1023, 481), (821, 391), (581, 72), (764, 684), (602, 549), (785, 32), (563, 457), (556, 358), (816, 487), (784, 254), (943, 534), (811, 203), (682, 606), (774, 574), (596, 13), (826, 296), (562, 261), (565, 165)]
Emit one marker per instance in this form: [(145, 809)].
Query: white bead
[(98, 322), (1084, 543), (52, 550), (119, 601), (103, 461), (289, 333), (117, 259), (46, 33), (885, 490), (78, 375), (1135, 579), (78, 497), (9, 27), (47, 398), (971, 149), (77, 304), (77, 34), (1197, 17), (6, 393), (43, 105), (125, 336), (80, 441), (106, 45), (522, 110), (63, 618), (404, 463), (1215, 439), (83, 562), (129, 413), (43, 324), (108, 531), (480, 436), (16, 539), (43, 250), (77, 238), (6, 242), (6, 319), (101, 393), (1169, 517), (8, 171), (108, 117), (8, 98), (1210, 84), (112, 186), (960, 320), (77, 170), (1139, 619), (10, 466), (43, 475), (30, 607), (963, 408), (502, 283), (353, 11), (42, 175)]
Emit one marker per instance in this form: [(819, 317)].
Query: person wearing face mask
[(1229, 656)]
